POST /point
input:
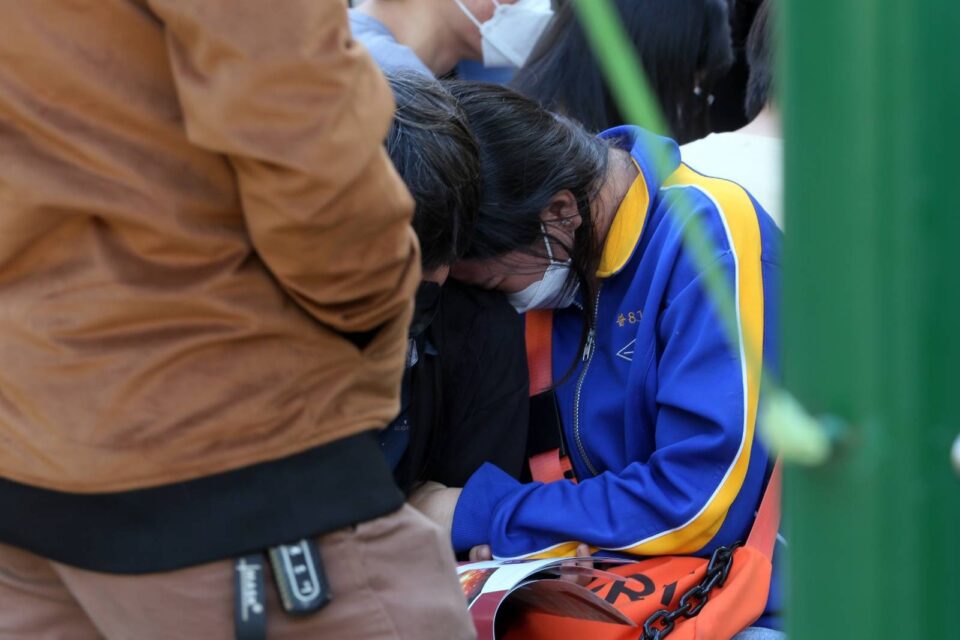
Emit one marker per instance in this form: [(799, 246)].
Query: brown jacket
[(196, 215)]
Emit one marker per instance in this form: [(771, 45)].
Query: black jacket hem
[(221, 516)]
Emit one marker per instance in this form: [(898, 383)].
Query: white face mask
[(509, 36), (550, 291)]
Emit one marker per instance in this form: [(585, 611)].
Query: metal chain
[(661, 623)]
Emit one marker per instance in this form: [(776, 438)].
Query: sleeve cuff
[(473, 516)]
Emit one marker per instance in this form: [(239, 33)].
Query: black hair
[(760, 61), (682, 44), (527, 156), (437, 156)]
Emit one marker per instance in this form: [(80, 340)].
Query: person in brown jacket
[(206, 275)]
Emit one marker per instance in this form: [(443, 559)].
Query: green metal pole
[(871, 99)]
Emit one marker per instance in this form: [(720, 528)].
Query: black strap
[(250, 598)]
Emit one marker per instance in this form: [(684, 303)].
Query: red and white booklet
[(553, 586)]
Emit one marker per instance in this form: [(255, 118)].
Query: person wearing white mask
[(432, 36), (656, 392)]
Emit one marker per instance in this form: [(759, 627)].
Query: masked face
[(550, 291), (510, 35)]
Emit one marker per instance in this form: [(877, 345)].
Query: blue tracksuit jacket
[(660, 417)]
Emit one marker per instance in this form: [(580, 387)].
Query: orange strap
[(550, 466), (539, 345), (763, 534)]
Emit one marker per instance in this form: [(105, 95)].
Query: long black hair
[(684, 45), (527, 156), (760, 61)]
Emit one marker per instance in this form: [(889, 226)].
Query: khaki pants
[(393, 577)]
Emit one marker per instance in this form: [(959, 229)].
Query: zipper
[(588, 351)]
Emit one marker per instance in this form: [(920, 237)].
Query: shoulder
[(390, 55), (753, 161), (708, 154), (363, 27), (728, 215)]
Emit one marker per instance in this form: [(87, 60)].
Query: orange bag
[(686, 597), (652, 594)]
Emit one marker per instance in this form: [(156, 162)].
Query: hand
[(583, 551), (437, 502), (481, 553)]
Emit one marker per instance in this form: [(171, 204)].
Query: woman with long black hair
[(656, 395), (684, 46)]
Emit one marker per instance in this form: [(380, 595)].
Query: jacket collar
[(628, 222)]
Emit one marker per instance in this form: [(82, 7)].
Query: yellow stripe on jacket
[(743, 233)]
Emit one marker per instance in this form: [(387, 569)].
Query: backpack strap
[(539, 334), (763, 534), (550, 465)]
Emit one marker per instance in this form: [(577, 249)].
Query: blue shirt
[(390, 55)]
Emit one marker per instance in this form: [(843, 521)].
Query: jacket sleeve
[(676, 500), (300, 111)]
